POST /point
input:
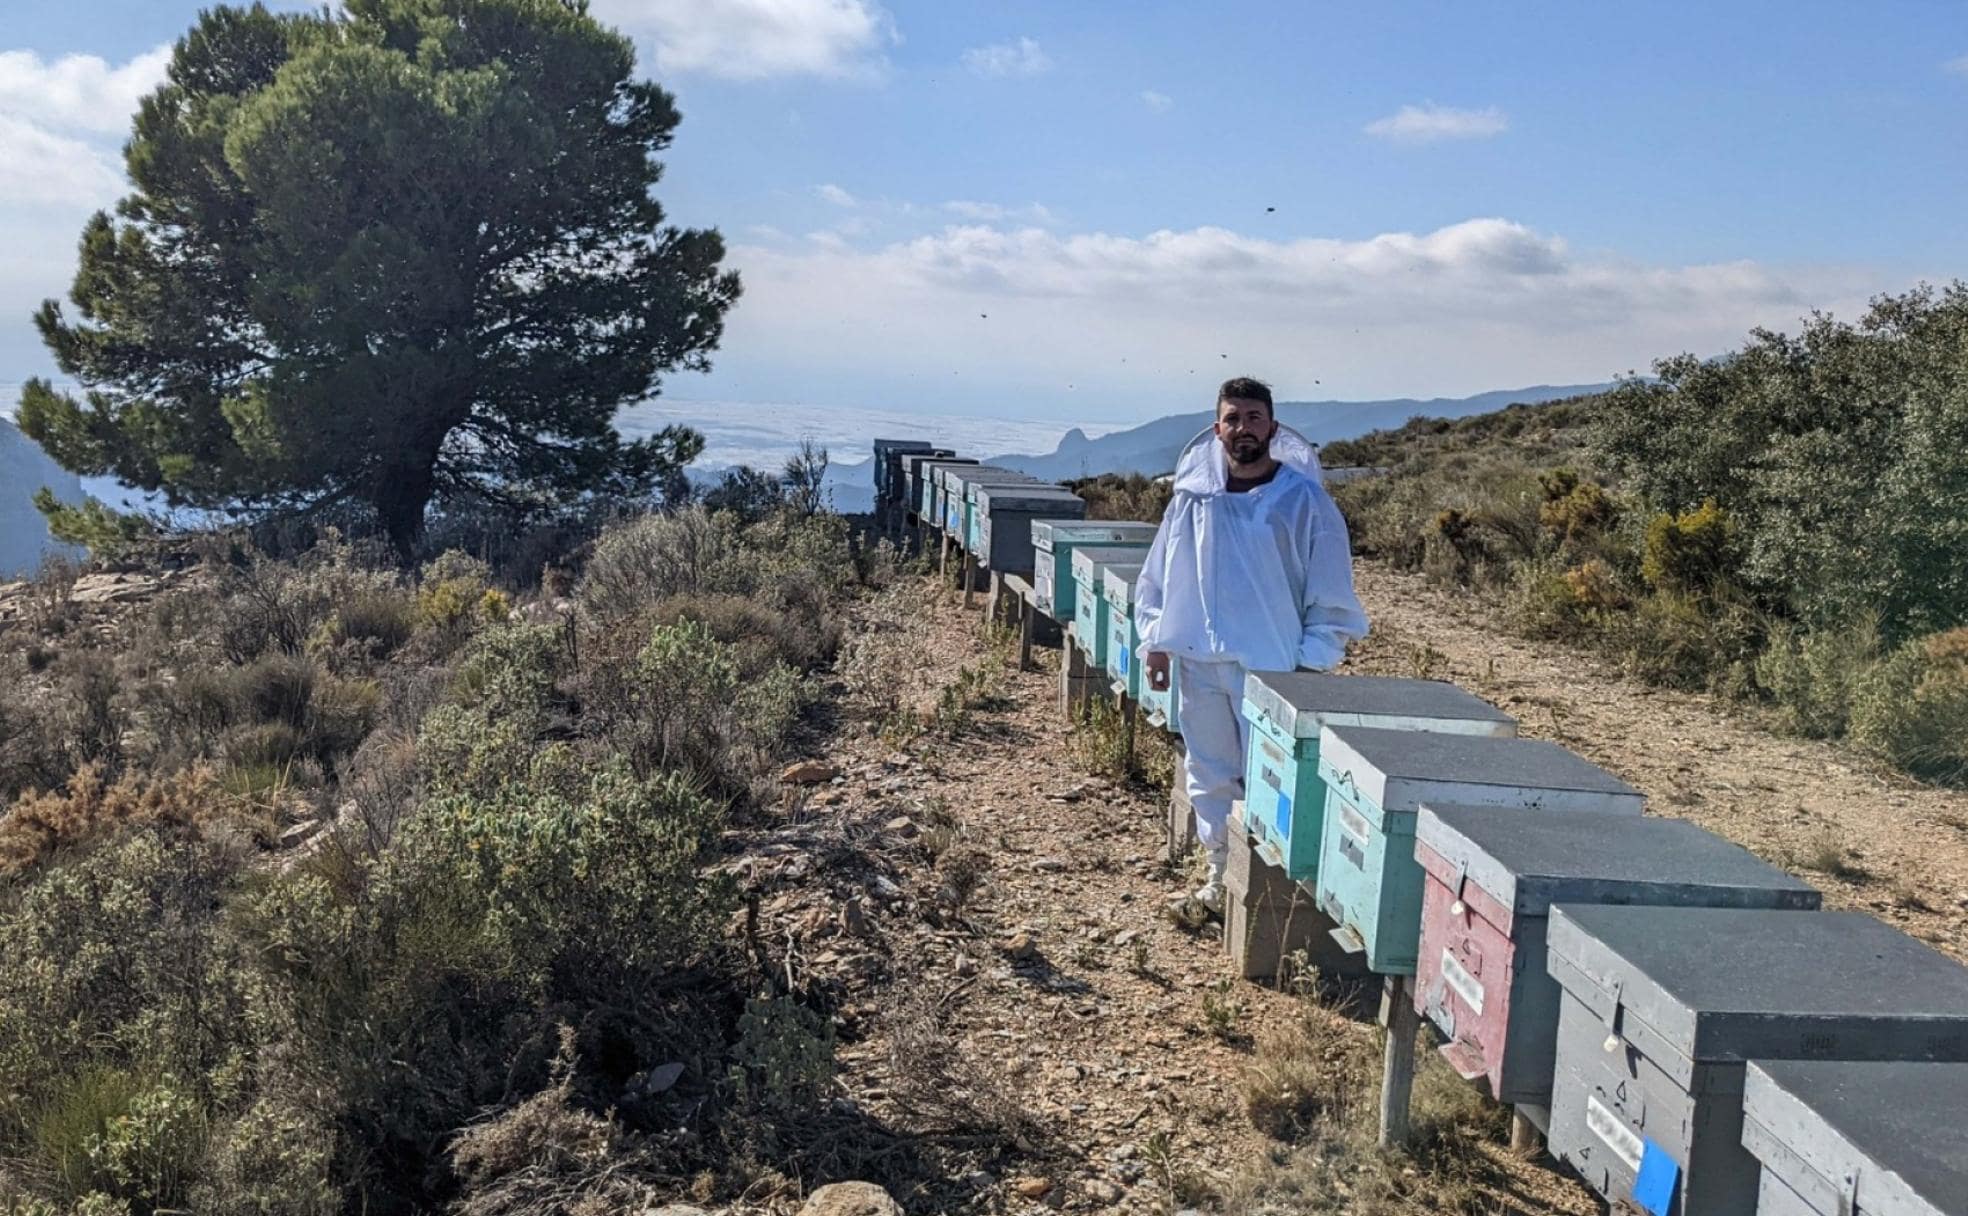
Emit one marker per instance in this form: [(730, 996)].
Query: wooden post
[(1397, 1014), (991, 600), (969, 571), (943, 559), (1027, 610), (1126, 707)]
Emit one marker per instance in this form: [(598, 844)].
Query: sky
[(1093, 212)]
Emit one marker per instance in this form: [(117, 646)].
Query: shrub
[(653, 557), (1912, 708), (1698, 644), (89, 809), (784, 1058), (1689, 553), (1575, 511), (275, 1159), (378, 623), (1813, 679)]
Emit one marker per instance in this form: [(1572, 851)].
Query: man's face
[(1244, 428)]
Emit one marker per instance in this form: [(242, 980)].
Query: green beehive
[(1090, 564), (1053, 544), (1117, 589)]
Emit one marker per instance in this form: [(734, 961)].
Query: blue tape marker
[(1284, 814), (1654, 1188), (1123, 662)]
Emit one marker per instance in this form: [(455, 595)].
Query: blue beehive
[(908, 483), (1376, 781), (1090, 564), (1016, 505), (929, 489), (1284, 797), (1117, 588), (1053, 542)]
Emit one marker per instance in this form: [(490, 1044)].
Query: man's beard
[(1248, 450)]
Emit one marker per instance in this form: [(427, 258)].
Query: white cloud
[(753, 39), (78, 92), (1160, 103), (1021, 58), (1429, 123), (41, 168), (1958, 66), (1479, 304), (835, 195), (1036, 213)]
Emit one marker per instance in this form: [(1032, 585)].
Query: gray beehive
[(1492, 876), (957, 483), (888, 466), (1301, 702), (1837, 1138), (1663, 1007), (926, 486), (1004, 525), (1397, 769), (907, 490)]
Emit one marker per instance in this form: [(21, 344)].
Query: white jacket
[(1263, 578)]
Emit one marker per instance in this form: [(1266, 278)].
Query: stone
[(808, 772), (851, 1199), (113, 588), (901, 825), (299, 832), (1032, 1186), (676, 1209), (1020, 946), (1103, 1192), (853, 918)]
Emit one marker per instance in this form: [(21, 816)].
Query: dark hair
[(1243, 388)]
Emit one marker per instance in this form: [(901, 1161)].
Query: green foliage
[(784, 1060), (1813, 679), (1690, 553), (107, 534), (1912, 708), (405, 248), (1132, 496), (750, 494), (1841, 454)]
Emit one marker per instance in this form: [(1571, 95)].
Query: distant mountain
[(1153, 446), (24, 469)]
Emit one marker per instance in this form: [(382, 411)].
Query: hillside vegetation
[(328, 887), (1784, 525)]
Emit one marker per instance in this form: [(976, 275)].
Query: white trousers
[(1215, 737)]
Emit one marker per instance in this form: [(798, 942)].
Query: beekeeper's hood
[(1203, 469)]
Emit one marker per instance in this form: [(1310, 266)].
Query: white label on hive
[(1625, 1143), (1354, 823), (1465, 984)]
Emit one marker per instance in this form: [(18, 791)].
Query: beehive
[(959, 484), (908, 486), (1001, 522), (1376, 781), (888, 466), (1663, 1006), (1090, 564), (1053, 542), (1117, 589), (1490, 877), (1285, 797), (928, 489), (1837, 1138)]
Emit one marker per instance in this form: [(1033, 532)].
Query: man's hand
[(1157, 664)]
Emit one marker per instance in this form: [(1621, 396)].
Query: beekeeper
[(1250, 571)]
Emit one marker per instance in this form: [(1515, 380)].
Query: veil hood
[(1203, 468)]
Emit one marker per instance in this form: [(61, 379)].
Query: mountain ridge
[(1152, 447)]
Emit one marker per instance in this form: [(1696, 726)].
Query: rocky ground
[(987, 917)]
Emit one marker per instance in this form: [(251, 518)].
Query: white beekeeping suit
[(1235, 582)]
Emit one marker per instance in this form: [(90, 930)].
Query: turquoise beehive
[(1117, 588), (1053, 543), (1376, 780), (1090, 564), (929, 489), (1284, 797)]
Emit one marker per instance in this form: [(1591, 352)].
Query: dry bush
[(89, 809), (942, 1089), (654, 557)]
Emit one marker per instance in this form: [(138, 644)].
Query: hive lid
[(1897, 1131), (911, 461), (1303, 701), (1090, 560), (1725, 985), (1021, 497), (1118, 578), (1047, 533), (1528, 859), (977, 474), (1396, 770)]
